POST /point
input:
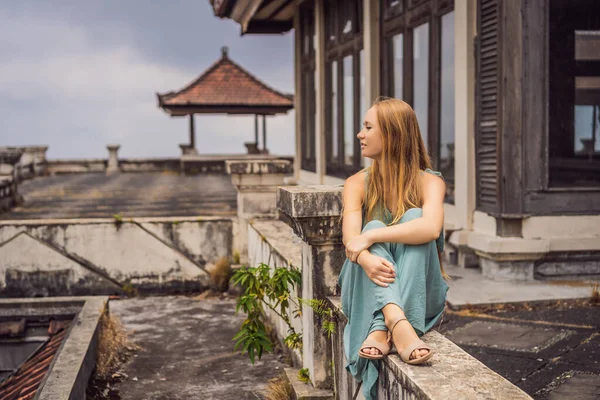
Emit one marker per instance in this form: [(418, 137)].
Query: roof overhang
[(182, 110), (257, 16)]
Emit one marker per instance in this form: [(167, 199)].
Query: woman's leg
[(413, 261)]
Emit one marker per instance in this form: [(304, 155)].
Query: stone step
[(305, 391), (451, 374)]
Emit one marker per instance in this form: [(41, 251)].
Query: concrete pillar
[(320, 97), (298, 99), (465, 14), (313, 212), (256, 182), (113, 161), (9, 194), (465, 17)]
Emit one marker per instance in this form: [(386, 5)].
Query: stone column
[(113, 161), (314, 214), (256, 182), (9, 195), (465, 14)]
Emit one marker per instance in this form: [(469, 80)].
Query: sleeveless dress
[(419, 290)]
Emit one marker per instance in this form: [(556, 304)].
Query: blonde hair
[(403, 157)]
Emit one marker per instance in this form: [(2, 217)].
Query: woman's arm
[(420, 230), (352, 197)]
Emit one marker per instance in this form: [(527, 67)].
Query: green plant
[(236, 257), (271, 287), (130, 290), (118, 220), (304, 375)]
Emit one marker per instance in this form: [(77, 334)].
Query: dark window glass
[(349, 131), (446, 164), (574, 86), (421, 76), (307, 89)]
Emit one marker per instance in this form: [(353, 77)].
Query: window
[(418, 67), (345, 86), (574, 94), (308, 81)]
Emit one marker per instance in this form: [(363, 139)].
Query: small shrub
[(304, 375), (118, 220), (236, 257), (220, 273), (130, 290)]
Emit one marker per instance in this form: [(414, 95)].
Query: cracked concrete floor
[(187, 351)]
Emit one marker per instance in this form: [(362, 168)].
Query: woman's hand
[(356, 245), (378, 269)]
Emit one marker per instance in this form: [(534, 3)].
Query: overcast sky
[(77, 75)]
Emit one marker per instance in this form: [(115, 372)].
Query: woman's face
[(371, 144)]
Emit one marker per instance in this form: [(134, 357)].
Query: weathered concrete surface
[(470, 287), (129, 195), (187, 351), (565, 366), (41, 258)]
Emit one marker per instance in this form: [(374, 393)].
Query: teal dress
[(418, 289)]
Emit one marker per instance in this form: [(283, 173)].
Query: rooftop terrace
[(129, 195)]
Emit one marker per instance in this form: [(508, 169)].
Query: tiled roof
[(24, 384), (226, 84)]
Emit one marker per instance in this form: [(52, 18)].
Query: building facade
[(507, 94)]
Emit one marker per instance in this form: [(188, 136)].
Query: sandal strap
[(417, 344), (382, 347), (391, 330)]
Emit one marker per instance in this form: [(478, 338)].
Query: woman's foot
[(375, 338), (403, 333)]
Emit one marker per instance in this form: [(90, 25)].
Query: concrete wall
[(40, 258), (263, 238)]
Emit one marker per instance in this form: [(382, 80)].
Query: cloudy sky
[(77, 75)]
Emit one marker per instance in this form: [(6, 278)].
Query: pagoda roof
[(228, 88)]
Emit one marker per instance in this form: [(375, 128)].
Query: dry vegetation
[(278, 389), (114, 346), (220, 273)]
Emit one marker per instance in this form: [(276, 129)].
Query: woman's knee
[(374, 224), (412, 213)]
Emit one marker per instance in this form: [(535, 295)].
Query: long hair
[(403, 157)]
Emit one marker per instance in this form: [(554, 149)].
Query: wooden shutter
[(487, 121)]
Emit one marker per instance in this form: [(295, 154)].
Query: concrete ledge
[(72, 368), (305, 391), (451, 374)]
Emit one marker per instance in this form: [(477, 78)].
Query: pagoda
[(226, 88)]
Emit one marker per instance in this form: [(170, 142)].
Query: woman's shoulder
[(358, 178)]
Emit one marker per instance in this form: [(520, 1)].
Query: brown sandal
[(416, 344), (384, 348)]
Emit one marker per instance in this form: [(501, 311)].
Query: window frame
[(308, 97), (344, 45), (403, 18)]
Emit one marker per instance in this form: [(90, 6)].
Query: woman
[(392, 283)]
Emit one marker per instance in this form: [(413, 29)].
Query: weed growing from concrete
[(278, 389), (236, 257), (113, 346), (118, 219), (220, 273), (595, 299), (272, 287), (304, 375)]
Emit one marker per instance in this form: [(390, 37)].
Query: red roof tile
[(24, 384), (226, 84)]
